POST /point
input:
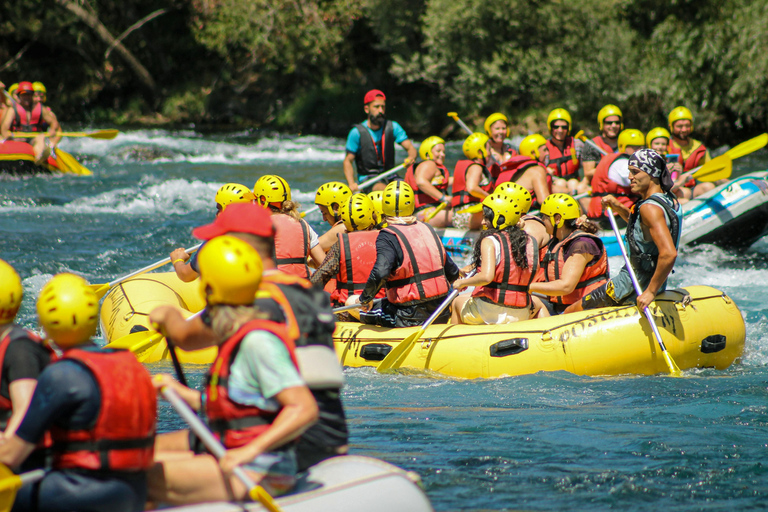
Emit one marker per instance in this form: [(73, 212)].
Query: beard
[(378, 119)]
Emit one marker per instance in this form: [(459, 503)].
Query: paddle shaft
[(176, 363), (434, 212), (150, 267), (461, 123), (346, 308), (211, 443), (381, 176), (638, 291)]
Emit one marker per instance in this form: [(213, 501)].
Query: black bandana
[(652, 163)]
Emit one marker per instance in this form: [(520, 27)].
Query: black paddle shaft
[(176, 363)]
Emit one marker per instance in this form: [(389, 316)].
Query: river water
[(551, 441)]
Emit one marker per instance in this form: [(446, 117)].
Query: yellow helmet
[(506, 210), (531, 144), (498, 116), (68, 310), (519, 192), (559, 113), (271, 189), (377, 198), (10, 294), (230, 271), (656, 133), (358, 213), (563, 204), (38, 87), (332, 193), (631, 137), (607, 111), (233, 193), (679, 113), (474, 146), (398, 200), (425, 149), (13, 88)]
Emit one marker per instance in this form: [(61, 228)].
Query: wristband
[(174, 262)]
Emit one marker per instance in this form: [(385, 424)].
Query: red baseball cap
[(372, 95), (239, 218), (25, 87)]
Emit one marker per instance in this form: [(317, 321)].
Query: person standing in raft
[(185, 264), (295, 240), (692, 152), (371, 144), (497, 128), (26, 116), (430, 180), (506, 259), (255, 402), (576, 262), (99, 406), (328, 199), (653, 234), (286, 299), (413, 264), (23, 356), (472, 182)]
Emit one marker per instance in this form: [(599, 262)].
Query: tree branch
[(18, 55), (133, 27)]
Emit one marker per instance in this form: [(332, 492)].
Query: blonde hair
[(226, 320), (288, 207)]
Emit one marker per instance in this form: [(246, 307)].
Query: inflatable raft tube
[(701, 327), (342, 484), (19, 158), (127, 306)]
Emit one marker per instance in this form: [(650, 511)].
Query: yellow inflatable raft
[(701, 328)]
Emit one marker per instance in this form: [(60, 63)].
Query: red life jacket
[(600, 141), (510, 283), (123, 438), (595, 273), (460, 194), (562, 161), (235, 424), (26, 121), (602, 185), (291, 245), (421, 277), (423, 200), (356, 259), (514, 168), (695, 159)]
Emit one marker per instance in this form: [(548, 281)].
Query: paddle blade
[(437, 210), (103, 134), (475, 208), (9, 484), (719, 168), (136, 342), (398, 354), (100, 289), (257, 493), (454, 115), (67, 163), (674, 370), (748, 147)]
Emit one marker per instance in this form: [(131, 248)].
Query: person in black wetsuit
[(99, 406)]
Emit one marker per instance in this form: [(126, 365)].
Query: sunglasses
[(560, 127), (607, 123)]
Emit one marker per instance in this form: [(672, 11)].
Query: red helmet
[(25, 87)]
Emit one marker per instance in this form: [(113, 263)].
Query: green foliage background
[(304, 65)]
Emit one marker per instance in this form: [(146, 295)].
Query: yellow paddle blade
[(100, 289), (475, 208), (454, 115), (67, 163), (719, 168), (580, 135), (136, 342), (9, 484), (398, 354), (258, 493), (674, 370), (434, 212), (748, 147)]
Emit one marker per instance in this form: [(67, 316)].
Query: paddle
[(256, 492), (585, 140), (398, 354), (720, 168), (67, 163), (434, 212), (341, 309), (10, 484), (137, 342), (98, 134), (673, 369), (102, 289), (749, 146)]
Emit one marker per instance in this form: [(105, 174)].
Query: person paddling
[(371, 144), (255, 402), (328, 199), (25, 116), (411, 262), (692, 152), (99, 406), (653, 235), (430, 180), (184, 264), (497, 128), (576, 262)]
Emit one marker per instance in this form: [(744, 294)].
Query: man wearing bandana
[(371, 144), (653, 235)]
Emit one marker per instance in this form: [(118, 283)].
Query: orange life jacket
[(595, 273), (562, 162), (602, 185), (123, 438), (421, 277), (291, 245), (695, 159), (28, 121), (510, 283), (460, 194), (356, 259), (232, 423), (602, 144), (423, 200)]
